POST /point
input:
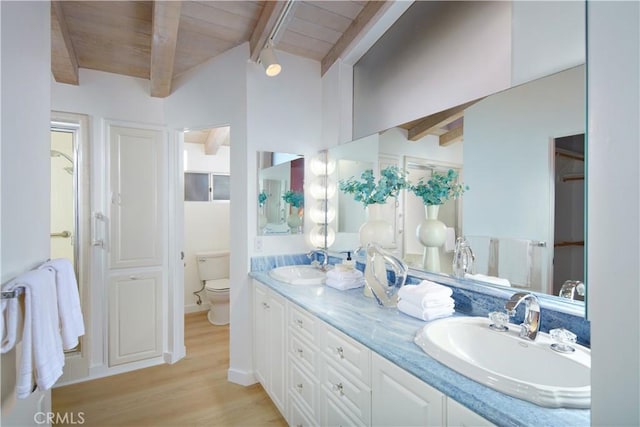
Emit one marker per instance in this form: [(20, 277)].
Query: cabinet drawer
[(305, 389), (335, 415), (303, 322), (353, 395), (350, 355), (297, 415), (304, 354)]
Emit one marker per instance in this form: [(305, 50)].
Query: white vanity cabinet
[(345, 379), (269, 348), (303, 368), (461, 416), (334, 380), (400, 398)]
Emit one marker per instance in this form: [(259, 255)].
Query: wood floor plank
[(191, 392)]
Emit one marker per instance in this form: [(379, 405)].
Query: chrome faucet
[(531, 324), (313, 256)]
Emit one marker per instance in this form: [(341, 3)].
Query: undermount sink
[(528, 370), (298, 274)]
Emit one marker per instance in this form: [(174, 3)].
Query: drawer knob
[(340, 352), (299, 322), (299, 387), (265, 305), (338, 388), (299, 351)]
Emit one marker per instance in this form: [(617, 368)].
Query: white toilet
[(213, 269)]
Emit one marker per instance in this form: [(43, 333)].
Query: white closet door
[(136, 197), (135, 317), (137, 270)]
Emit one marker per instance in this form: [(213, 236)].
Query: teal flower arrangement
[(294, 198), (439, 188), (366, 190), (262, 198)]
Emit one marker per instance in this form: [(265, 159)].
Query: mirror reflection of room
[(506, 153), (280, 193)]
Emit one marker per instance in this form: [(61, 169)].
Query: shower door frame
[(77, 360)]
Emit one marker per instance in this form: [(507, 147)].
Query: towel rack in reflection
[(12, 294), (63, 234)]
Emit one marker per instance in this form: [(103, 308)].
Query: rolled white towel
[(489, 279), (424, 314), (339, 275), (435, 304), (425, 294), (343, 285)]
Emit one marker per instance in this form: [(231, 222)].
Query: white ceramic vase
[(432, 233), (295, 220)]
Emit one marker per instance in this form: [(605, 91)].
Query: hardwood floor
[(191, 392)]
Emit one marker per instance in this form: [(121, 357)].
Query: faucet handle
[(499, 321), (563, 339)]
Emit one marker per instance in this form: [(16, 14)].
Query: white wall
[(283, 114), (24, 237), (103, 97), (436, 56), (507, 141), (272, 114), (206, 224), (613, 210), (547, 37)]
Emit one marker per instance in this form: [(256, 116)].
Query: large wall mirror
[(521, 153), (280, 193)]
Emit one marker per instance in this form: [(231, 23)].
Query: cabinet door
[(137, 197), (277, 350), (135, 317), (399, 398), (461, 416), (260, 319)]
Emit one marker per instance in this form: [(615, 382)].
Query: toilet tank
[(213, 265)]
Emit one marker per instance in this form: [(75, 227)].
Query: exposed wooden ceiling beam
[(368, 16), (166, 19), (64, 63), (266, 22), (454, 135), (436, 121), (217, 137)]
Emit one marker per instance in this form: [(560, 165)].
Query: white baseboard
[(194, 308), (173, 357), (243, 378), (102, 371)]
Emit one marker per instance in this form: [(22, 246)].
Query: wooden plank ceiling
[(160, 40)]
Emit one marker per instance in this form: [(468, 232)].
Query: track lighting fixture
[(269, 61)]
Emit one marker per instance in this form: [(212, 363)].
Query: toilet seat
[(217, 285)]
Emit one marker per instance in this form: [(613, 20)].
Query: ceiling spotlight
[(269, 61)]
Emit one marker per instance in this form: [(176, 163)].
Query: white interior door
[(137, 269)]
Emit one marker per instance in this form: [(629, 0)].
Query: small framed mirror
[(280, 197)]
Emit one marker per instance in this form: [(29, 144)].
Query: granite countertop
[(390, 333)]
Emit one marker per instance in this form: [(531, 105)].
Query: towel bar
[(12, 294)]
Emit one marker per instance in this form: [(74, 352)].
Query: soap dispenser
[(349, 263)]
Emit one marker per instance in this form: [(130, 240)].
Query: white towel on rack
[(514, 261), (11, 321), (42, 356), (69, 310)]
